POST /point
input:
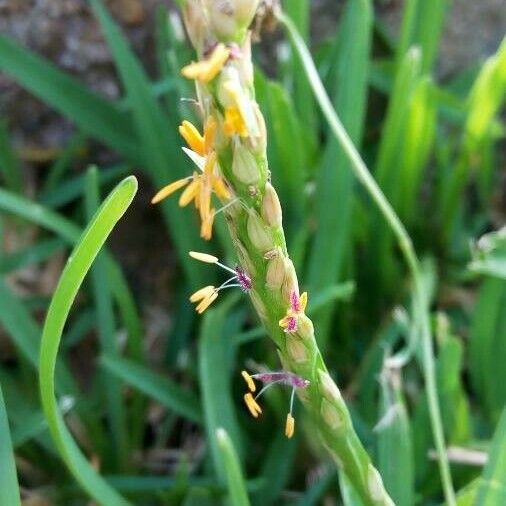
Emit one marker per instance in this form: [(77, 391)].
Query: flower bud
[(290, 284), (296, 350), (275, 273), (330, 415), (258, 233), (195, 23), (230, 18), (244, 165), (327, 387), (305, 328), (271, 208)]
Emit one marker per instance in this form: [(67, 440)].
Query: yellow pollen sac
[(170, 189), (192, 137), (203, 293), (206, 302), (252, 405), (303, 302), (206, 70), (203, 257), (189, 193), (206, 230), (249, 381), (220, 188), (234, 122), (290, 426), (209, 134)]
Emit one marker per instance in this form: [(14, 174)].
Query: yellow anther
[(190, 192), (234, 122), (206, 302), (192, 137), (290, 426), (249, 381), (252, 405), (207, 70), (303, 302), (170, 189), (203, 293), (203, 257), (206, 229)]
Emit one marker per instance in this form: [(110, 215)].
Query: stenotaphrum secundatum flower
[(208, 294), (269, 379)]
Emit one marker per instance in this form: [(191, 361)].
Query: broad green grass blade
[(34, 254), (72, 188), (298, 11), (107, 331), (388, 170), (157, 135), (9, 488), (333, 215), (71, 279), (235, 480), (492, 491), (408, 26), (395, 453), (96, 116), (419, 137), (214, 370), (314, 494), (485, 100), (9, 164), (430, 18), (287, 154), (152, 384), (31, 211), (278, 461), (25, 334), (487, 346)]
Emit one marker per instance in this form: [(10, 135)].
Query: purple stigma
[(291, 325), (243, 278), (295, 301), (284, 377)]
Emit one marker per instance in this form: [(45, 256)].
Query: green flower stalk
[(232, 163)]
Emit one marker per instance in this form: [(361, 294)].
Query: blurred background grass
[(144, 385)]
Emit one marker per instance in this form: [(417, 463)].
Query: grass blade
[(106, 326), (492, 491), (235, 480), (96, 116), (215, 383), (334, 214), (71, 279), (9, 488), (154, 385)]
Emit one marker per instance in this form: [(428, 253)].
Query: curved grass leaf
[(71, 279), (492, 491), (235, 480)]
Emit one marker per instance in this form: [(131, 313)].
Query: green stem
[(405, 244)]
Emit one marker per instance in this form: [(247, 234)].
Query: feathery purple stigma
[(294, 302), (291, 325), (284, 377), (243, 279)]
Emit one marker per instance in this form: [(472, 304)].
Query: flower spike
[(269, 379)]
